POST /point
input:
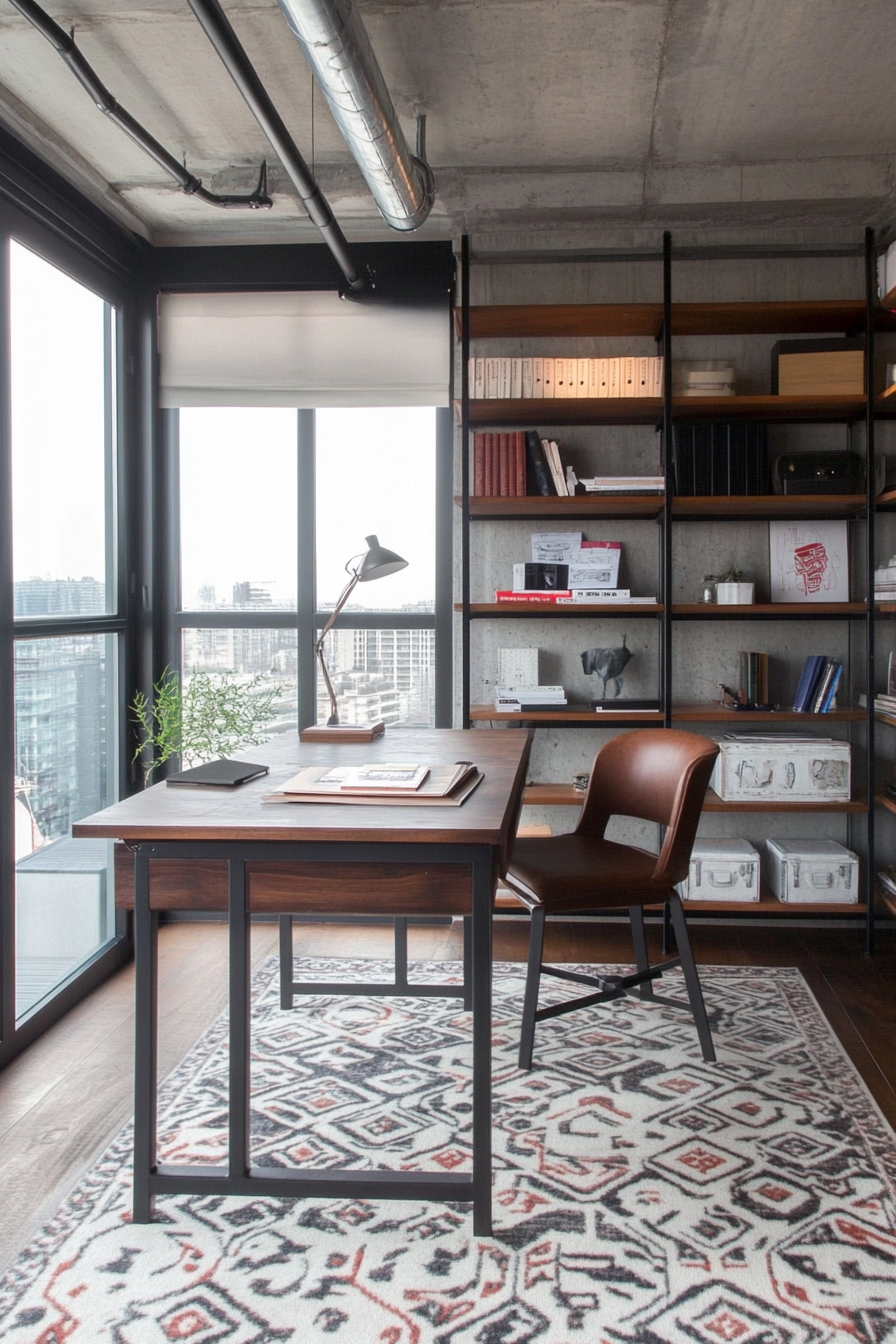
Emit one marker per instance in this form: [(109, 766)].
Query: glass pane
[(62, 416), (380, 674), (375, 472), (268, 655), (238, 509), (65, 768)]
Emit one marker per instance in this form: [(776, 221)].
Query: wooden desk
[(317, 858)]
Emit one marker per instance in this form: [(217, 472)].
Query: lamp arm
[(319, 646)]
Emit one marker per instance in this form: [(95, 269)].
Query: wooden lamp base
[(342, 732)]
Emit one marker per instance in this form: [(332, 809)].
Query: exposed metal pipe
[(338, 49), (218, 29), (86, 76)]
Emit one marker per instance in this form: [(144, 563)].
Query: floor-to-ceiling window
[(273, 504), (63, 448)]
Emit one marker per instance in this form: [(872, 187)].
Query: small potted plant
[(215, 715), (731, 588)]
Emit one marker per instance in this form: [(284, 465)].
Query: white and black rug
[(640, 1194)]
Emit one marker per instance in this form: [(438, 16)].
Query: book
[(222, 774), (565, 596), (828, 700), (823, 686), (538, 479), (446, 785), (398, 778), (812, 670), (552, 457)]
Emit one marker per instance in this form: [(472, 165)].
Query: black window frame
[(35, 213), (307, 619)]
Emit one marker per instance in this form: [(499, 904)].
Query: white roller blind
[(300, 349)]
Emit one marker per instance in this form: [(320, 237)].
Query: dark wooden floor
[(65, 1097)]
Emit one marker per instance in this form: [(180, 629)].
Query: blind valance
[(300, 349)]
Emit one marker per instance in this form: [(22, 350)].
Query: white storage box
[(782, 769), (811, 871), (722, 870)]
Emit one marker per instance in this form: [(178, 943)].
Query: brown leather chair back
[(656, 775)]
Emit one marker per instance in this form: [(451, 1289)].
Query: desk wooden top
[(487, 817)]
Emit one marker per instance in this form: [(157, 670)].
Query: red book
[(519, 457), (491, 464), (503, 464), (478, 464)]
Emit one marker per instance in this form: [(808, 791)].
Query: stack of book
[(496, 378), (885, 584), (514, 699), (564, 596), (817, 687), (624, 485), (753, 677), (499, 464), (885, 704)]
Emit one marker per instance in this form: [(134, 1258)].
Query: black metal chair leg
[(691, 979), (286, 968), (639, 942), (468, 964), (400, 925), (533, 978)]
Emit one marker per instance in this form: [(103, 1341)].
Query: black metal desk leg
[(146, 937), (240, 1027), (286, 970), (484, 877)]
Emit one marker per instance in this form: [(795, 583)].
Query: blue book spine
[(808, 682), (832, 689)]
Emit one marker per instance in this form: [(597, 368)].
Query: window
[(62, 380), (273, 503)]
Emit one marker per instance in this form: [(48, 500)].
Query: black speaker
[(825, 473)]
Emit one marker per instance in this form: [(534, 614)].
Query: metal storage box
[(722, 870), (811, 871), (781, 769)]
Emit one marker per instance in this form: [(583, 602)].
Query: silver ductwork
[(339, 52)]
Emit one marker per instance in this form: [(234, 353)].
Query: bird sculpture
[(608, 664)]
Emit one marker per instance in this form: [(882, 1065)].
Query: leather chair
[(657, 775)]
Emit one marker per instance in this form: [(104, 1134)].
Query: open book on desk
[(444, 785)]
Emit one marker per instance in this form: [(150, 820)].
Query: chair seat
[(579, 872)]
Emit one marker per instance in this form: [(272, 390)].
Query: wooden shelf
[(680, 714), (648, 410), (603, 718), (767, 506), (553, 611), (712, 611), (688, 319), (563, 411), (719, 507), (715, 804), (744, 719), (768, 904), (565, 795), (576, 506)]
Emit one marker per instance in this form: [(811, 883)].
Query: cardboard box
[(812, 871), (753, 766), (722, 870), (826, 368)]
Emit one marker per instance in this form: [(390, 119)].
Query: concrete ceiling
[(581, 116)]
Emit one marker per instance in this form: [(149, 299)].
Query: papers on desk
[(441, 785)]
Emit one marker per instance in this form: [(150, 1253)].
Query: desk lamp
[(375, 563)]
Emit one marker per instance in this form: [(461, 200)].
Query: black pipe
[(87, 78), (218, 30)]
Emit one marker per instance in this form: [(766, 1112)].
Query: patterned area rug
[(640, 1194)]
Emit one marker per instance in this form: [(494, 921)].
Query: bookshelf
[(513, 327)]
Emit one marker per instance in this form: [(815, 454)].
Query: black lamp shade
[(378, 562)]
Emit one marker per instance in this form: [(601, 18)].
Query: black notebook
[(221, 774)]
